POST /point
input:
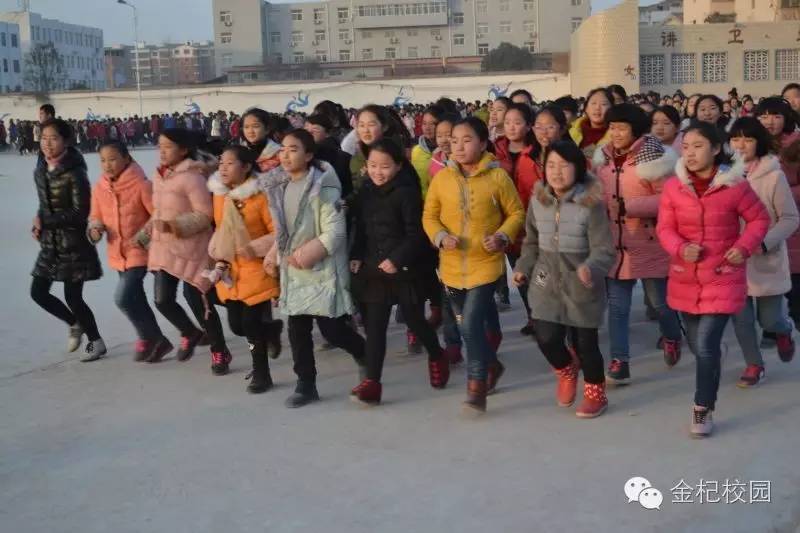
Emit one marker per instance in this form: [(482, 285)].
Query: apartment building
[(10, 58), (663, 12), (160, 65), (698, 11), (252, 32), (81, 47)]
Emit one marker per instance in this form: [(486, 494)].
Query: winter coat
[(711, 285), (317, 238), (632, 193), (576, 132), (560, 235), (268, 159), (790, 162), (768, 273), (180, 196), (438, 162), (421, 159), (389, 226), (472, 208), (328, 150), (525, 172), (64, 204), (251, 284), (121, 208)]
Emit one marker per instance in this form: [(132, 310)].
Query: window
[(786, 4), (390, 53), (482, 7), (366, 35), (389, 34), (226, 18), (576, 23), (651, 69), (5, 65), (297, 14), (505, 27), (412, 33), (319, 35), (530, 46), (436, 33), (575, 2), (344, 55), (275, 37), (527, 5), (224, 38), (756, 65), (482, 29), (14, 40), (413, 52), (278, 58), (458, 18), (684, 68), (436, 51), (483, 49), (3, 39), (366, 54), (297, 37), (343, 14), (319, 15), (298, 57), (344, 35), (787, 64), (715, 67), (503, 6), (458, 39), (322, 56), (529, 26), (16, 66)]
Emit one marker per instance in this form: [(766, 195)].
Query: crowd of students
[(578, 199)]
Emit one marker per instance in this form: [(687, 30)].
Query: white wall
[(276, 97)]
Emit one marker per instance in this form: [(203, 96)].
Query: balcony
[(400, 15)]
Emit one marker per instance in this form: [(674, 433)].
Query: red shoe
[(414, 347), (475, 404), (188, 344), (567, 386), (141, 350), (785, 346), (672, 352), (453, 354), (594, 402), (220, 362), (435, 320), (494, 338), (368, 393), (752, 376), (439, 372), (493, 375)]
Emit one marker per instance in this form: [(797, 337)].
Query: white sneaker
[(94, 351), (75, 338)]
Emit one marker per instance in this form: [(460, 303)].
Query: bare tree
[(44, 68)]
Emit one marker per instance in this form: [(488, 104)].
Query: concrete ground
[(126, 447)]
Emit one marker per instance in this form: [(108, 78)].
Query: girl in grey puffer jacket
[(566, 254)]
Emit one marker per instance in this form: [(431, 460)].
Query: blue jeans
[(619, 313), (773, 316), (704, 334), (478, 313), (450, 330), (132, 301)]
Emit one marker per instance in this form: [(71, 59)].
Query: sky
[(159, 20)]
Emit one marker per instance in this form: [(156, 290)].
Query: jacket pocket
[(578, 292)]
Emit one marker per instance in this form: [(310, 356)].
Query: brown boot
[(475, 403), (493, 374)]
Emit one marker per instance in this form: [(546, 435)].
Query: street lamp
[(136, 48)]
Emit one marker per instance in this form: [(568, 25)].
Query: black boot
[(304, 393), (260, 379), (273, 338)]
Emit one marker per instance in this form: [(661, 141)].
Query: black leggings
[(249, 321), (166, 292), (75, 311), (335, 330), (551, 337), (376, 320)]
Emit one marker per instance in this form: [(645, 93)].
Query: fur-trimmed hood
[(587, 194), (652, 159), (203, 163), (764, 167), (244, 190), (727, 176)]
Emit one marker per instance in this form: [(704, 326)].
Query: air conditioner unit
[(292, 45), (318, 21), (532, 34), (438, 37), (316, 43), (481, 35), (348, 41)]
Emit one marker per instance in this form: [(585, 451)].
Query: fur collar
[(587, 194), (653, 161), (764, 167), (726, 175), (241, 192)]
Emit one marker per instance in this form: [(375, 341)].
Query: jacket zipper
[(618, 171)]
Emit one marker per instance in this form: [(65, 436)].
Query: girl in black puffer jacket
[(386, 258), (60, 227)]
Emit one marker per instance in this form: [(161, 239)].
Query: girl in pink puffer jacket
[(122, 202), (699, 227)]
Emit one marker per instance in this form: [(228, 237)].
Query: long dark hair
[(527, 115), (307, 140), (714, 136), (775, 105), (243, 154), (753, 128), (391, 123)]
